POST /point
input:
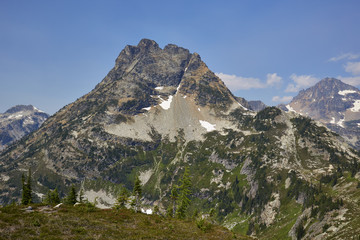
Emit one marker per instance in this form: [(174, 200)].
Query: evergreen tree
[(174, 196), (137, 191), (47, 199), (122, 199), (71, 197), (169, 211), (55, 196), (184, 193), (52, 197), (26, 187), (29, 190)]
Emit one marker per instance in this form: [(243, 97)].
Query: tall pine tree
[(71, 197), (184, 194), (122, 199), (26, 187), (137, 191)]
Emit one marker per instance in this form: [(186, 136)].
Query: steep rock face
[(19, 121), (161, 110), (150, 94), (333, 103)]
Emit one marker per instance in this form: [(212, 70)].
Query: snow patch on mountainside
[(208, 126), (15, 116), (147, 211), (166, 103), (344, 92), (28, 120), (341, 122), (38, 110), (356, 107), (290, 108), (243, 107)]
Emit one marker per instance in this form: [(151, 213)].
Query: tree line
[(179, 196)]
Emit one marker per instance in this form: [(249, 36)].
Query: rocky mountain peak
[(19, 108), (161, 90), (333, 103), (141, 71), (326, 88), (19, 121), (148, 44)]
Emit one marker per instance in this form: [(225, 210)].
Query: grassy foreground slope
[(81, 222)]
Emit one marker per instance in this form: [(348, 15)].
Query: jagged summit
[(333, 103), (147, 52), (146, 66), (153, 88)]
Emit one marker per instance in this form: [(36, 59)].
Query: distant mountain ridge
[(257, 106), (19, 121), (335, 104)]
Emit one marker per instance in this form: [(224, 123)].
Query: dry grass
[(82, 222)]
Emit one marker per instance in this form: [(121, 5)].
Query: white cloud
[(348, 56), (301, 82), (235, 83), (354, 81), (352, 67), (273, 78), (284, 99)]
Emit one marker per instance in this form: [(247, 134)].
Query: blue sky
[(53, 52)]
